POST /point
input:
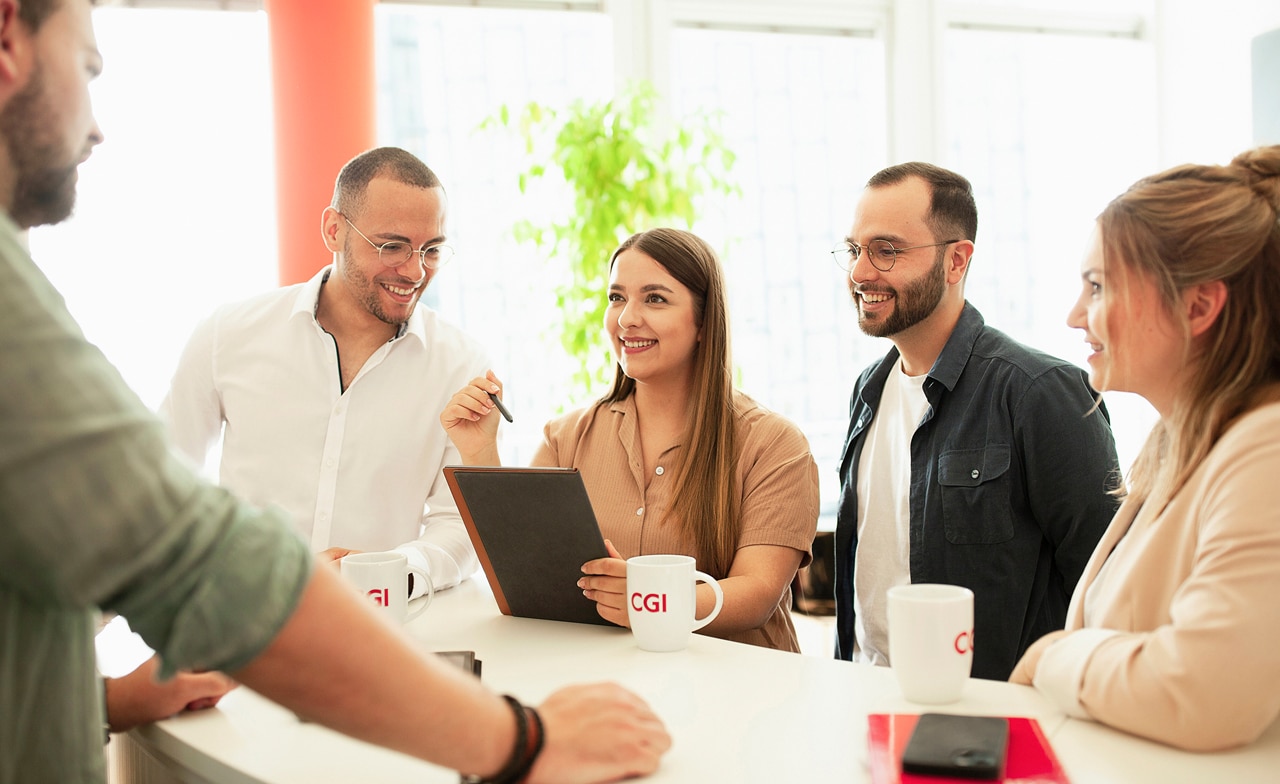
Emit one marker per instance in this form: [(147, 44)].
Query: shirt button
[(659, 470), (639, 511), (974, 474)]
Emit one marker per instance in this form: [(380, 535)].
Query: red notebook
[(1030, 759)]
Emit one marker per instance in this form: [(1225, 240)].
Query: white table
[(737, 713)]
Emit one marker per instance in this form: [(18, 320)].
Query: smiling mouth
[(400, 291), (874, 297), (638, 343)]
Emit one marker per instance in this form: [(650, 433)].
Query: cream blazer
[(1184, 639)]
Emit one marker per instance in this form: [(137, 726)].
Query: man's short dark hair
[(400, 165), (953, 213)]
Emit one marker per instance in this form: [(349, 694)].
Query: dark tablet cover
[(533, 529)]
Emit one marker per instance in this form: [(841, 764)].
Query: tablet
[(533, 529)]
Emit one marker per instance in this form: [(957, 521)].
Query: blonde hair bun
[(1262, 165)]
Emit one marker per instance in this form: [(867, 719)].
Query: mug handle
[(698, 623), (425, 599)]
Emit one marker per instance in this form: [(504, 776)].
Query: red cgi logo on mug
[(651, 602), (381, 597), (964, 641)]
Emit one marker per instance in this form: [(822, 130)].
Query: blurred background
[(1050, 109)]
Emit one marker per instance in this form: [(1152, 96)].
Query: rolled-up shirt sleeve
[(98, 512), (779, 481)]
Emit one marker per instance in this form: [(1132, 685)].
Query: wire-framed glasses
[(881, 253), (397, 253)]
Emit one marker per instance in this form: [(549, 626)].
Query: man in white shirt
[(330, 390)]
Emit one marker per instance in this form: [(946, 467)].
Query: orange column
[(322, 68)]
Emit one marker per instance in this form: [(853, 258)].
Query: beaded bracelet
[(524, 752)]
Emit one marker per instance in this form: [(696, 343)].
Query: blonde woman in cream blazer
[(1173, 632)]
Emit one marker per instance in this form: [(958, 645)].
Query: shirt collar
[(626, 428), (308, 300), (955, 354), (625, 406)]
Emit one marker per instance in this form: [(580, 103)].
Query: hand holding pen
[(471, 420), (497, 401)]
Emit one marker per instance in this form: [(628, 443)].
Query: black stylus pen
[(505, 413)]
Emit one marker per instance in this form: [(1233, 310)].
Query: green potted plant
[(621, 169)]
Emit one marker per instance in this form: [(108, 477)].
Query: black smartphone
[(971, 747)]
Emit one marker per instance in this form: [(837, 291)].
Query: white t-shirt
[(884, 513), (360, 468)]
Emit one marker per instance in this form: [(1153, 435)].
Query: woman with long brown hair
[(1172, 632), (675, 460)]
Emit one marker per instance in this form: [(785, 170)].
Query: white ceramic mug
[(931, 640), (662, 600), (383, 577)]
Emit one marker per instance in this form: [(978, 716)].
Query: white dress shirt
[(359, 469)]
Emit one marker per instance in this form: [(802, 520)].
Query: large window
[(176, 210), (1050, 107), (1046, 147), (805, 114), (442, 73)]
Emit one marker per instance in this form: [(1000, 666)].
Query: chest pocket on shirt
[(975, 495)]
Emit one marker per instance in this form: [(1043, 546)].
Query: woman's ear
[(1202, 303)]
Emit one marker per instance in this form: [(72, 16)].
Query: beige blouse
[(777, 480), (1183, 639)]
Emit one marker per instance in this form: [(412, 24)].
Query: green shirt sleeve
[(96, 511)]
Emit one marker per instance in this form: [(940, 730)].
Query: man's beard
[(44, 189), (913, 304), (366, 289)]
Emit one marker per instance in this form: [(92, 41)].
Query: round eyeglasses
[(397, 253), (881, 253)]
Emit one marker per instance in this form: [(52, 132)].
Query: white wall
[(1206, 93)]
